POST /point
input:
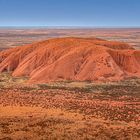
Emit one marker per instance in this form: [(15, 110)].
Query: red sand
[(72, 59)]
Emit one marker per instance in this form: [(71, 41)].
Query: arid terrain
[(20, 36), (74, 87), (69, 110), (72, 58)]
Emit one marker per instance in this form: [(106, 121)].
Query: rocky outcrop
[(72, 59)]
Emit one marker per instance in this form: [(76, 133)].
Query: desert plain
[(68, 109)]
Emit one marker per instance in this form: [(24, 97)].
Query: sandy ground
[(69, 111)]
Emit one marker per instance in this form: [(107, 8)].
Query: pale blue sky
[(96, 13)]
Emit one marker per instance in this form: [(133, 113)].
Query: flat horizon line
[(71, 27)]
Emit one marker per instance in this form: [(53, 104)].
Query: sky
[(85, 13)]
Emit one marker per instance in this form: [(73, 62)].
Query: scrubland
[(69, 110)]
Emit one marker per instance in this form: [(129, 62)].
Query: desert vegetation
[(69, 109)]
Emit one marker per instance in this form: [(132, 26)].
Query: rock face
[(70, 58)]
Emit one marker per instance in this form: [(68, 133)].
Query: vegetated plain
[(69, 109)]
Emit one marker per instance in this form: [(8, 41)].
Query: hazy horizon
[(73, 27)]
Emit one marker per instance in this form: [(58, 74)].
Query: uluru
[(72, 58)]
